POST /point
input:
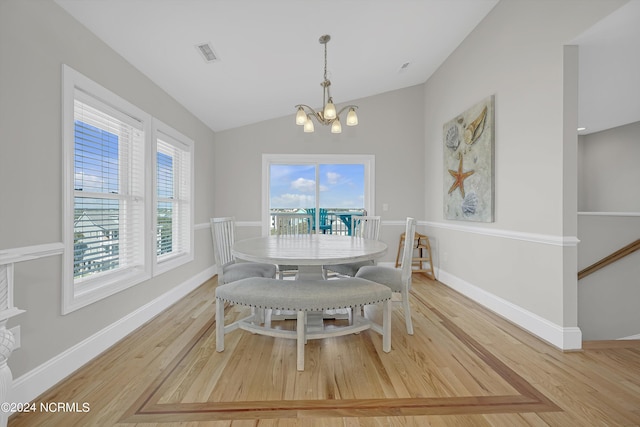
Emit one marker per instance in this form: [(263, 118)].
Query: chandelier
[(328, 115)]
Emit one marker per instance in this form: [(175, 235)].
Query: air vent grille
[(207, 52)]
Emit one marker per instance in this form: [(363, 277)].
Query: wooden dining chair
[(292, 225), (399, 280), (363, 227), (229, 270)]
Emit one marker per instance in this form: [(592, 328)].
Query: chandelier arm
[(307, 107), (315, 114)]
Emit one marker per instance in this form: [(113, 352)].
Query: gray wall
[(36, 38), (529, 71), (608, 299), (390, 128), (609, 170)]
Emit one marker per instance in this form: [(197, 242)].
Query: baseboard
[(632, 337), (566, 339), (35, 382)]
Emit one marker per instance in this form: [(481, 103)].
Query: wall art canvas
[(468, 164)]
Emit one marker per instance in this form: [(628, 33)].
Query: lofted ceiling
[(269, 58)]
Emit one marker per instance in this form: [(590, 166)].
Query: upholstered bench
[(303, 296)]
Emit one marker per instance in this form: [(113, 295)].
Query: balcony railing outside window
[(338, 219)]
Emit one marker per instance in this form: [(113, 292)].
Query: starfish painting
[(460, 177)]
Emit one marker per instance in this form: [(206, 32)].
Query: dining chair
[(363, 227), (324, 222), (292, 225), (229, 270), (399, 280)]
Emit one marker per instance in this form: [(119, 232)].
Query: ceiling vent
[(207, 52)]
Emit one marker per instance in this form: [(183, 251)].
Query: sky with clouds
[(294, 186)]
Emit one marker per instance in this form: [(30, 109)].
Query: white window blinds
[(108, 190), (173, 196)]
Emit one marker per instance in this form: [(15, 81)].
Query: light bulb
[(301, 116), (308, 125), (329, 110), (336, 127), (352, 117)]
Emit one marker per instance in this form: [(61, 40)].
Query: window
[(330, 187), (173, 213), (110, 199)]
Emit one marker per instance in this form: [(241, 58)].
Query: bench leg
[(301, 338), (386, 326), (219, 325)]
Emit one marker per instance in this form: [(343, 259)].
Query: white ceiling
[(270, 59)]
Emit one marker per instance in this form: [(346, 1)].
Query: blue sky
[(294, 186), (96, 162)]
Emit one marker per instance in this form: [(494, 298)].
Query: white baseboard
[(564, 338), (35, 382), (632, 337)]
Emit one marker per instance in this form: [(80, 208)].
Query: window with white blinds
[(109, 193), (174, 158), (128, 194)]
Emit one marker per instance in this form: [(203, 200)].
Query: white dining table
[(308, 251)]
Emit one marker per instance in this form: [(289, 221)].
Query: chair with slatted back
[(399, 280), (363, 227), (229, 270), (324, 222), (292, 224)]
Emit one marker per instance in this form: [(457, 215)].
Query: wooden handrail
[(621, 253)]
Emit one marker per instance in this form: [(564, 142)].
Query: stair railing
[(619, 254)]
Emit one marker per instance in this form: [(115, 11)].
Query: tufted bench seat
[(303, 296)]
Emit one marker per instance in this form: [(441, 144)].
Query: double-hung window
[(173, 207), (126, 174)]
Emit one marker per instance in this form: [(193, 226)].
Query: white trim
[(186, 146), (563, 338), (545, 239), (26, 253), (632, 337), (74, 296), (401, 223), (608, 213), (30, 385), (202, 226)]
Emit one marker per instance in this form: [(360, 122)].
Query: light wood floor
[(463, 367)]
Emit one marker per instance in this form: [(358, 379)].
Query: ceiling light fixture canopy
[(329, 115)]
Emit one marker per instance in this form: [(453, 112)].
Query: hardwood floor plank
[(465, 366)]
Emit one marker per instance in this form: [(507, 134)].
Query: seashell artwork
[(452, 138), (474, 130), (470, 204), (468, 175)]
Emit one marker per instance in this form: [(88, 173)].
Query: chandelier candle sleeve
[(328, 115)]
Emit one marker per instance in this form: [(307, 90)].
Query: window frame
[(170, 136), (368, 160), (75, 295)]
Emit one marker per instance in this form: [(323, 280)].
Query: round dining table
[(308, 251)]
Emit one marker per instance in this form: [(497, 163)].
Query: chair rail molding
[(546, 239)]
